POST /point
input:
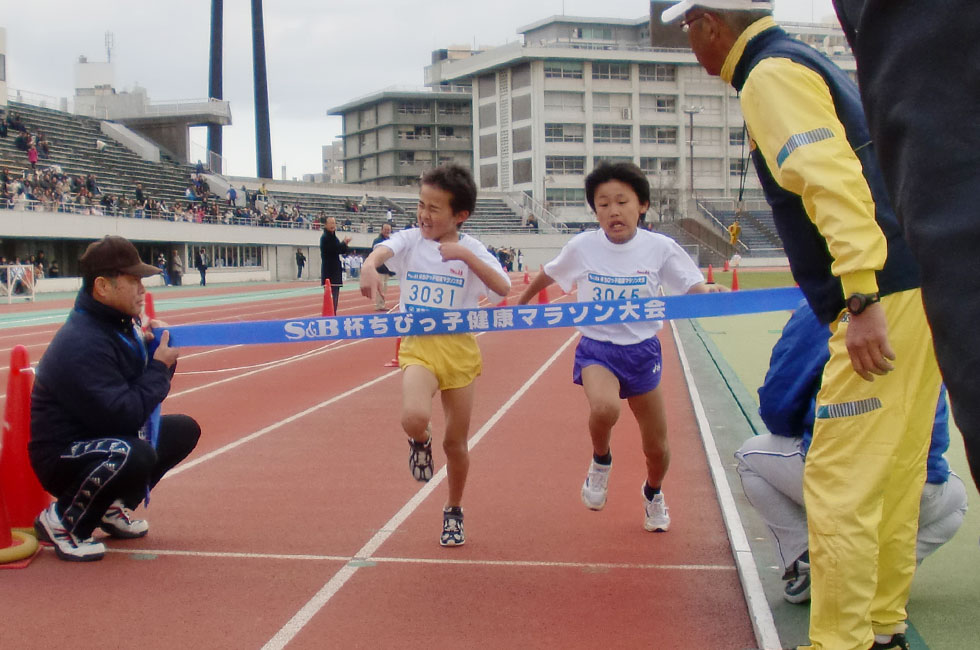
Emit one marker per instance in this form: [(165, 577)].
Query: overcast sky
[(320, 53)]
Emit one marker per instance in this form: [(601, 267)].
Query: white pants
[(771, 468)]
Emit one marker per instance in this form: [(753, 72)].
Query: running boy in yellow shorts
[(439, 268)]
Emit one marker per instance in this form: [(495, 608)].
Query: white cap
[(684, 6)]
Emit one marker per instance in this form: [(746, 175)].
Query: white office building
[(580, 90)]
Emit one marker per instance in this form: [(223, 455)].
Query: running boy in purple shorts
[(615, 362)]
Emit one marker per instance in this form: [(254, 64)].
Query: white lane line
[(322, 597), (762, 619), (272, 427), (420, 560)]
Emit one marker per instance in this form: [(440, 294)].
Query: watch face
[(855, 304)]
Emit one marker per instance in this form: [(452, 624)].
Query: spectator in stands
[(346, 225), (532, 222), (32, 157), (15, 122), (3, 128), (232, 196), (91, 185), (199, 168), (389, 217), (190, 194), (364, 203), (54, 271), (42, 145), (100, 146)]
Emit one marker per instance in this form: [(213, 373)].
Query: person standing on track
[(331, 266), (201, 263), (440, 268), (383, 271), (866, 466), (94, 441), (615, 362)]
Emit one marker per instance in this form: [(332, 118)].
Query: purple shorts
[(636, 366)]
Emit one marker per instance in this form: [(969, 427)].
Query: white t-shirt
[(603, 270), (429, 283)]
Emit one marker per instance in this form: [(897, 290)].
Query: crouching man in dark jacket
[(95, 443)]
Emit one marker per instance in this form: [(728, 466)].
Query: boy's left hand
[(454, 251), (715, 288)]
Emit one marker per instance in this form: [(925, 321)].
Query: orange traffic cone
[(502, 303), (527, 278), (726, 267), (148, 307), (735, 280), (328, 308), (711, 275), (17, 549), (25, 498), (543, 296), (394, 361)]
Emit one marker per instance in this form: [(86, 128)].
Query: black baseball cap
[(114, 254)]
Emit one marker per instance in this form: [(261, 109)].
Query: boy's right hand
[(370, 281)]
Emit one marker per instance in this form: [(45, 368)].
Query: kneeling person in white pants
[(771, 465)]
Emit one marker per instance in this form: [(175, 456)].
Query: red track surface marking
[(242, 540)]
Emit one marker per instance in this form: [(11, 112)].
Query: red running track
[(296, 521)]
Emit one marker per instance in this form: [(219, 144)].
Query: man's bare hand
[(867, 343), (164, 353)]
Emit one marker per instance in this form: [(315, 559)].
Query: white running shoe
[(595, 486), (118, 522), (70, 548), (657, 517)]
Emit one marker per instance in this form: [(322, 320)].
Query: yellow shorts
[(454, 359)]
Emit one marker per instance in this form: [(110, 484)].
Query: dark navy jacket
[(805, 247), (96, 380)]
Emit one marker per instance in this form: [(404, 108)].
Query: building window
[(522, 170), (668, 165), (488, 145), (617, 133), (658, 72), (488, 115), (593, 33), (415, 133), (560, 197), (521, 138), (611, 71), (736, 166), (563, 69), (487, 85), (488, 175), (610, 102), (453, 109), (520, 108), (564, 132), (412, 108), (598, 160), (520, 76), (736, 136), (657, 166), (231, 256), (658, 134), (709, 104), (706, 135), (564, 165), (447, 133), (707, 166), (564, 101), (653, 104)]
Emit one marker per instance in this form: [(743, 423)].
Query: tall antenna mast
[(110, 42)]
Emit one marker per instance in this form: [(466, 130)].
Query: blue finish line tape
[(489, 319)]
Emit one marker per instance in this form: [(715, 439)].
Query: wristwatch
[(858, 302)]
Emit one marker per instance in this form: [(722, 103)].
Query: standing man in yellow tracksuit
[(866, 466)]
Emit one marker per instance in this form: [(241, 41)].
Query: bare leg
[(418, 387), (602, 391), (649, 411), (457, 404)]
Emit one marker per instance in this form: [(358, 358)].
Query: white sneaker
[(595, 486), (657, 517), (49, 529), (118, 522)]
